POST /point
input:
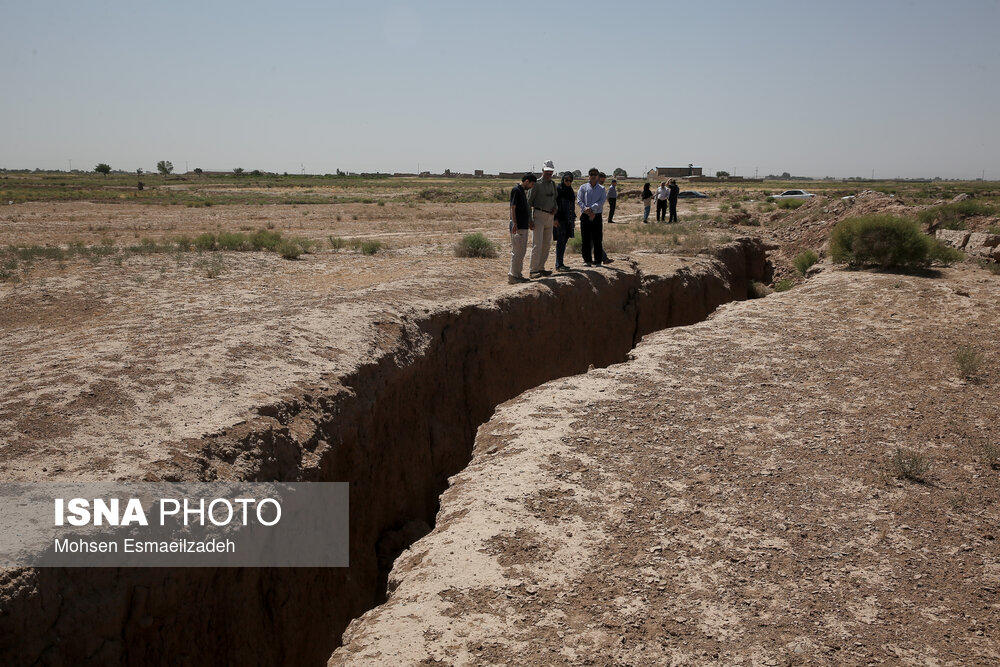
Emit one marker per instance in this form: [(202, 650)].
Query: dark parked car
[(691, 194)]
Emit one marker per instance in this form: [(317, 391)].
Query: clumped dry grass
[(909, 465), (969, 362), (758, 290)]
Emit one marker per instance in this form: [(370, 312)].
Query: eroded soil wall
[(396, 429)]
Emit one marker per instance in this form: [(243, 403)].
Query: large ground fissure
[(396, 429)]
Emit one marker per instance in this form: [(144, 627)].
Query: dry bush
[(909, 465), (969, 362)]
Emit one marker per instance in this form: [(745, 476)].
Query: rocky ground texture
[(800, 478)]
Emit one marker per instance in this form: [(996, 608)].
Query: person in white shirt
[(662, 195), (590, 198)]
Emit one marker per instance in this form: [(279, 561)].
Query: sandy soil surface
[(731, 495)]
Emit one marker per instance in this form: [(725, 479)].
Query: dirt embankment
[(804, 479), (396, 429)]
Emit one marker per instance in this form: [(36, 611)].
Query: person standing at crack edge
[(662, 193), (672, 198), (601, 177), (565, 218), (542, 200), (590, 199), (520, 223)]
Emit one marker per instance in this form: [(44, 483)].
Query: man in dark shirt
[(520, 223), (672, 198)]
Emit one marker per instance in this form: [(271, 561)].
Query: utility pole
[(755, 169), (873, 173), (186, 167), (71, 165)]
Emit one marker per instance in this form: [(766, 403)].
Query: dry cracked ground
[(803, 478)]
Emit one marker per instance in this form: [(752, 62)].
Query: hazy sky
[(831, 88)]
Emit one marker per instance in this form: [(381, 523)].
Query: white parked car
[(794, 194)]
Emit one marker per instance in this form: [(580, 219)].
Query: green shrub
[(576, 244), (884, 241), (804, 260), (183, 243), (232, 241), (942, 253), (784, 285), (789, 203), (336, 242), (370, 247), (265, 239), (952, 216), (205, 241), (475, 245), (289, 249), (307, 245)]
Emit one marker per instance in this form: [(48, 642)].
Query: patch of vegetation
[(942, 253), (337, 242), (884, 241), (289, 249), (370, 247), (265, 239), (804, 260), (784, 285), (475, 245), (8, 271), (758, 290), (205, 241), (909, 465), (213, 266), (969, 361), (952, 216), (789, 204), (233, 241), (991, 266)]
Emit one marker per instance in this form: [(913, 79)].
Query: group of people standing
[(666, 195), (547, 211)]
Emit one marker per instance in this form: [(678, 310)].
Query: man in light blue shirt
[(590, 198)]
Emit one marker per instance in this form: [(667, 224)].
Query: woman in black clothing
[(647, 201), (565, 218)]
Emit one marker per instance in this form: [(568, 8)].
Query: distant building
[(674, 172), (478, 172)]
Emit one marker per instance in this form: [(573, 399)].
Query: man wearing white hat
[(542, 200)]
